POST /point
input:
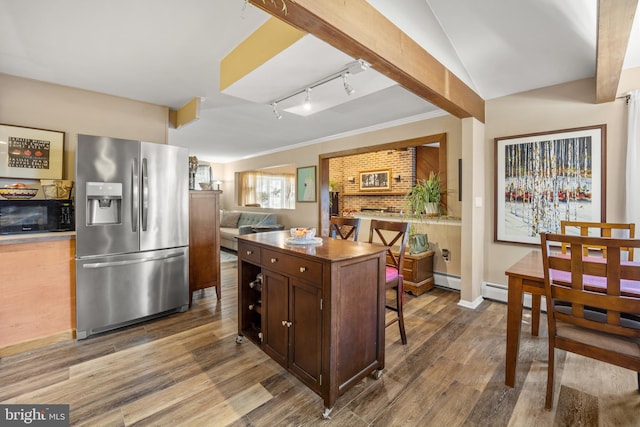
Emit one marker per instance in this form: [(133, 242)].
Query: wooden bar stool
[(344, 228), (390, 233)]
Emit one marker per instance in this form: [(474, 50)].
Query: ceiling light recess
[(355, 67)]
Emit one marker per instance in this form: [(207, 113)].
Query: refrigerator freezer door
[(164, 196), (112, 161), (119, 290)]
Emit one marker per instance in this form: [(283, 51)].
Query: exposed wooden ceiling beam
[(615, 19), (358, 29)]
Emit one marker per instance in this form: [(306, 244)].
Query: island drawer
[(293, 265), (249, 252)]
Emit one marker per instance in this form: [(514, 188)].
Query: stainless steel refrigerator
[(132, 232)]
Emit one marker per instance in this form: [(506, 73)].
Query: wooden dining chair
[(390, 234), (604, 229), (344, 228), (593, 304)]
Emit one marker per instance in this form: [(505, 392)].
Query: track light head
[(347, 87), (307, 100), (275, 111)]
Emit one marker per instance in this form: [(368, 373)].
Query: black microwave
[(36, 216)]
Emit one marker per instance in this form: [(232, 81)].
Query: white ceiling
[(167, 52)]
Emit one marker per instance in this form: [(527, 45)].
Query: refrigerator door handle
[(135, 197), (132, 261), (145, 195)]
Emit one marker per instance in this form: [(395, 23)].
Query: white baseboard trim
[(451, 282), (497, 292), (447, 281), (473, 304)]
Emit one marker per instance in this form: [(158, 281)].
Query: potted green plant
[(423, 200)]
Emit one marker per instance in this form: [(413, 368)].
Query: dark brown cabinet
[(204, 241), (322, 308), (418, 272)]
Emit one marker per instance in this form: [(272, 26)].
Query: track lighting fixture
[(350, 69), (275, 110), (347, 87)]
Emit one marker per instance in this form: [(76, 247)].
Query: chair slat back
[(604, 229), (344, 228), (593, 293), (391, 233)]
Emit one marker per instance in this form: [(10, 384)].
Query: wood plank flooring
[(186, 369)]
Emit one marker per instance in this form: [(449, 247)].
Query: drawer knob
[(288, 324), (249, 252), (284, 323), (274, 260), (303, 269)]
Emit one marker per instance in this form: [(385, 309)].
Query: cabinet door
[(275, 316), (305, 334)]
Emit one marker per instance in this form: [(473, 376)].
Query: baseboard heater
[(447, 281), (497, 292)]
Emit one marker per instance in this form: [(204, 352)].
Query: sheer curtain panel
[(632, 204)]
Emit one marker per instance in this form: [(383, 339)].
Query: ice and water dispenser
[(104, 203)]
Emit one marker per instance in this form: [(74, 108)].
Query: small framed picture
[(375, 180), (30, 153), (306, 184)]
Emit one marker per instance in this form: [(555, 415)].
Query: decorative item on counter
[(302, 233), (56, 188), (193, 168), (349, 212), (207, 186), (18, 191), (303, 236), (422, 201), (424, 197)]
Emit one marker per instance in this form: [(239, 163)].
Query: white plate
[(312, 241)]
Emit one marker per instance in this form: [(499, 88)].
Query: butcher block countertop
[(11, 239)]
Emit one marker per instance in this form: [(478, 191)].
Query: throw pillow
[(230, 219)]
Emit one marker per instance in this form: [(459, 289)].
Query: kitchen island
[(317, 309), (38, 290)]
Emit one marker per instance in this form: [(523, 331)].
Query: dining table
[(527, 276)]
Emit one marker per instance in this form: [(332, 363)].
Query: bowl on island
[(302, 233)]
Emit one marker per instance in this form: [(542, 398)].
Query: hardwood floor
[(186, 369)]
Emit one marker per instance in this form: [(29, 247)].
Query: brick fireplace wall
[(400, 162)]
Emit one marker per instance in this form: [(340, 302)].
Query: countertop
[(12, 239), (396, 216)]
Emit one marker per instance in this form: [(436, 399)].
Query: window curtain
[(632, 204), (248, 191), (268, 190)]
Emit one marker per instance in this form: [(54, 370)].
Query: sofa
[(235, 223)]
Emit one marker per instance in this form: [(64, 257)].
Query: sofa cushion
[(230, 219), (255, 218)]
